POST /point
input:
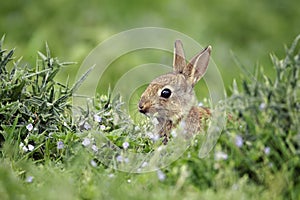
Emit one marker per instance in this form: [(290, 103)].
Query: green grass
[(259, 148)]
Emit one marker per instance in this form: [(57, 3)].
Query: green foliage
[(106, 115), (32, 103), (257, 156), (268, 123)]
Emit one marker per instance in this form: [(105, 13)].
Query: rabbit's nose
[(142, 107)]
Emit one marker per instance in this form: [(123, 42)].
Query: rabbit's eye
[(165, 93)]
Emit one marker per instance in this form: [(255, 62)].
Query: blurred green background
[(72, 28)]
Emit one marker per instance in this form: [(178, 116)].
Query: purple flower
[(102, 127), (125, 145), (120, 158), (86, 142), (29, 127), (161, 176), (154, 137), (29, 179), (87, 126), (97, 118), (267, 150), (60, 145), (262, 106), (239, 141)]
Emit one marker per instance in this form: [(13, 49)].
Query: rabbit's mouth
[(144, 111), (143, 108), (151, 112)]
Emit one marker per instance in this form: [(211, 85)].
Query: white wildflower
[(239, 141), (144, 164), (30, 147), (102, 127), (29, 179), (160, 148), (221, 155), (262, 106), (120, 158), (29, 127), (154, 137), (60, 145), (125, 145), (111, 175), (94, 148), (97, 118), (161, 176), (87, 126), (174, 133), (86, 142), (93, 163), (23, 147), (267, 150), (270, 165)]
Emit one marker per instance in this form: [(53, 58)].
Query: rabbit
[(170, 98)]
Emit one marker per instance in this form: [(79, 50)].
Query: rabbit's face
[(171, 96), (167, 97)]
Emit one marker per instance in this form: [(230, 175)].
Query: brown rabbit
[(170, 98)]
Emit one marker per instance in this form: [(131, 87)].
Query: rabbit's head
[(170, 96)]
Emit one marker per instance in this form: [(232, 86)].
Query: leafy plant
[(268, 125), (34, 108)]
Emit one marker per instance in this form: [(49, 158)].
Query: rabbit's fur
[(171, 99)]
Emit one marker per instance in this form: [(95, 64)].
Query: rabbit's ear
[(197, 67), (179, 62)]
